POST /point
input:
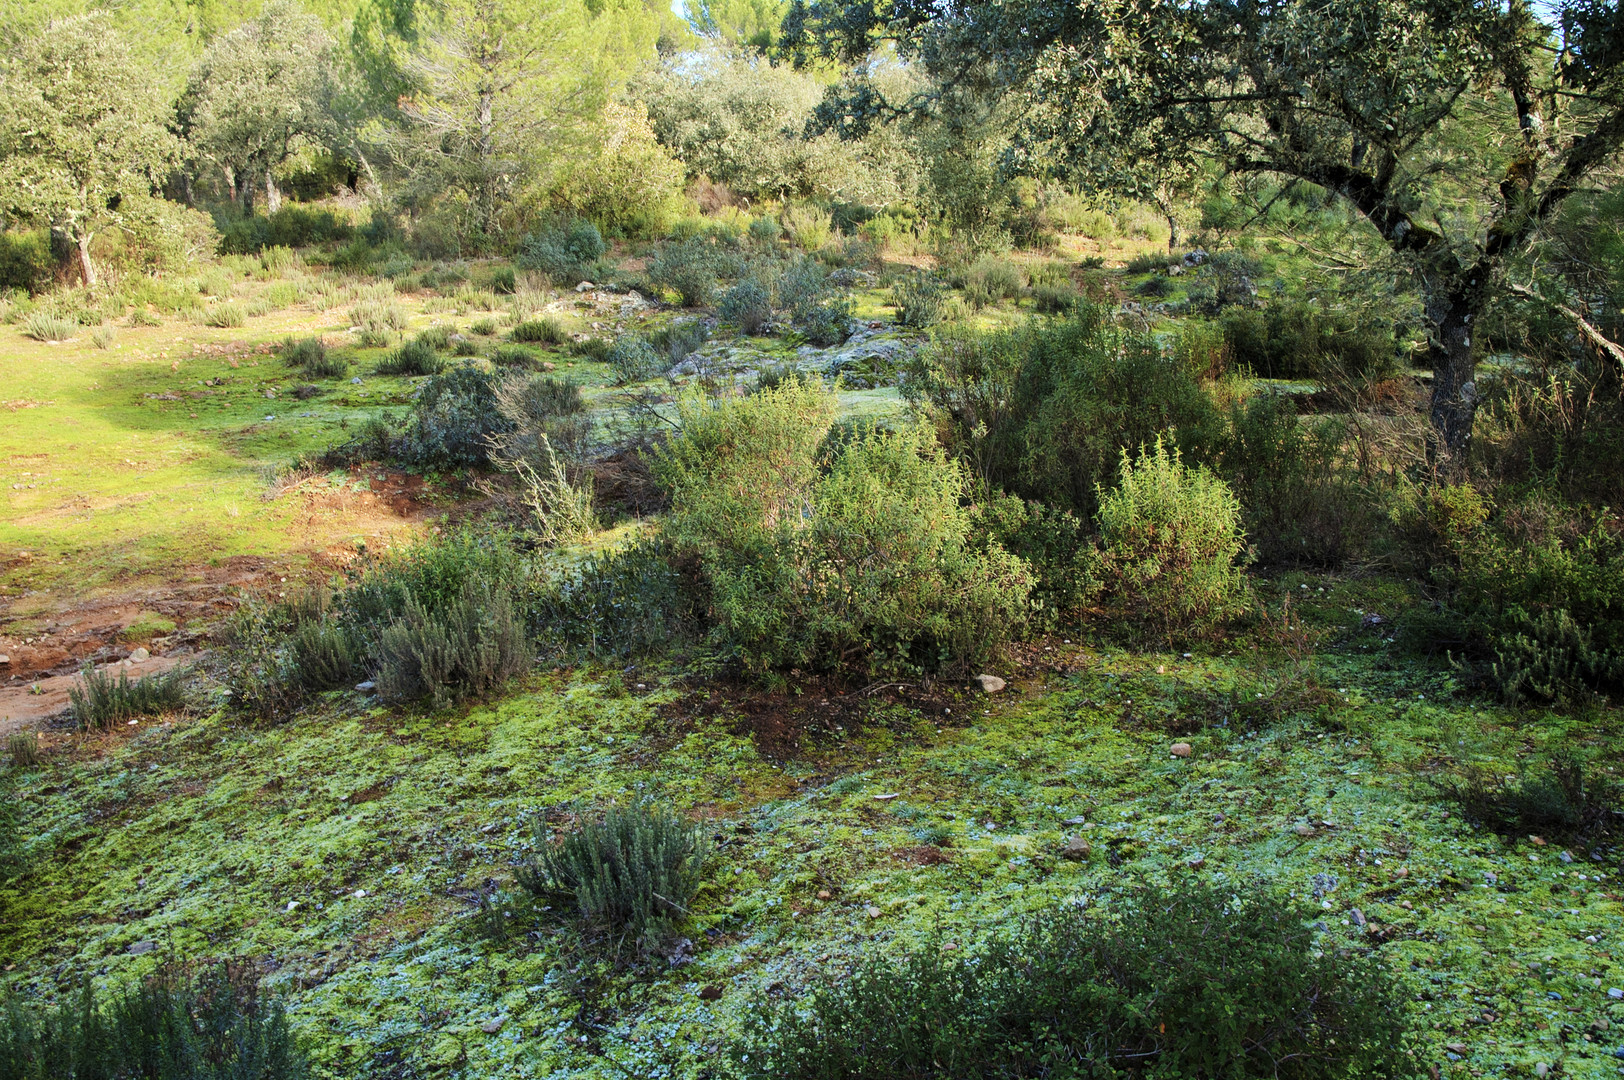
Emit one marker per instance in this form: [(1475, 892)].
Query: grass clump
[(23, 746), (474, 646), (920, 300), (312, 356), (416, 357), (104, 337), (225, 316), (630, 875), (634, 360), (546, 330), (1196, 982), (178, 1024), (45, 326), (98, 701)]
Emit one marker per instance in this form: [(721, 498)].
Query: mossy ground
[(343, 851)]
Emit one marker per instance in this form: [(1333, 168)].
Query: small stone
[(587, 286), (1303, 830), (293, 905), (1358, 917), (139, 656), (366, 687), (1180, 749), (711, 992), (1406, 905), (360, 894), (1075, 821), (990, 683), (141, 947), (4, 659), (886, 797), (1565, 857), (1402, 872), (1458, 1048), (1615, 993), (951, 946), (873, 912), (491, 1027), (356, 381), (1591, 939), (1541, 1069), (1538, 841), (1077, 848), (548, 365), (824, 894), (1197, 862)]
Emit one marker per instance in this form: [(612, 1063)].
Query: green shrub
[(326, 653), (747, 305), (99, 702), (623, 602), (483, 327), (437, 336), (45, 326), (920, 300), (765, 231), (1147, 262), (379, 315), (1555, 800), (1055, 299), (861, 561), (304, 351), (472, 646), (1551, 658), (513, 356), (1196, 982), (207, 1023), (990, 279), (25, 260), (23, 746), (677, 340), (802, 287), (547, 330), (1297, 340), (563, 252), (462, 346), (1171, 542), (630, 876), (809, 228), (827, 324), (292, 226), (1053, 544), (634, 360), (453, 418), (103, 337), (693, 269), (503, 281), (413, 358)]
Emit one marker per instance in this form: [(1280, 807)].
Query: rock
[(1303, 830), (139, 656), (1565, 857), (1541, 1069), (1538, 841), (1402, 872), (356, 381), (360, 894), (990, 684), (366, 687), (885, 798), (585, 286), (824, 894), (141, 947), (1456, 1048), (548, 365), (1180, 749), (1358, 917), (1615, 993), (1195, 258), (1075, 821), (873, 912), (1197, 862), (4, 659), (1076, 848), (711, 992), (293, 905), (951, 946), (491, 1027)]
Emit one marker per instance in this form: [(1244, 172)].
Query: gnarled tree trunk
[(1452, 303)]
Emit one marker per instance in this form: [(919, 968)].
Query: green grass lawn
[(341, 852)]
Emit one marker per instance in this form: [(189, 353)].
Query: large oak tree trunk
[(86, 267), (273, 194), (1452, 305)]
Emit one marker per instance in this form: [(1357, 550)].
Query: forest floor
[(345, 854)]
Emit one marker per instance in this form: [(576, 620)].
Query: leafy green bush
[(1147, 262), (292, 226), (623, 602), (809, 227), (990, 279), (548, 330), (1555, 800), (1053, 544), (920, 300), (311, 354), (563, 252), (1055, 299), (211, 1023), (1300, 341), (677, 340), (474, 646), (747, 305), (634, 360), (693, 268), (1551, 657), (860, 561), (482, 327), (829, 323), (99, 702), (416, 357), (1197, 982), (453, 419), (631, 875), (592, 348), (513, 356), (1171, 543), (437, 336), (765, 230)]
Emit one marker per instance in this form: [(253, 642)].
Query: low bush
[(473, 645), (920, 300), (862, 560), (630, 876), (592, 348), (208, 1023), (25, 260), (483, 327), (1555, 798), (765, 231), (827, 324), (693, 269), (623, 602), (747, 305), (677, 340), (303, 351), (292, 226), (563, 252), (103, 337), (453, 419), (1171, 545), (1200, 981), (1055, 299), (547, 330), (379, 315), (1053, 543), (23, 746), (1552, 658), (416, 357), (990, 280), (1295, 340), (437, 336), (513, 356), (634, 360), (99, 702), (809, 227)]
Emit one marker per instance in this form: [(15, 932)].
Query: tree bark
[(86, 267), (273, 194), (1452, 304)]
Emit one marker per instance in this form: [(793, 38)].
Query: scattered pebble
[(824, 894), (990, 684), (873, 912), (1303, 830), (491, 1027), (1180, 749)]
